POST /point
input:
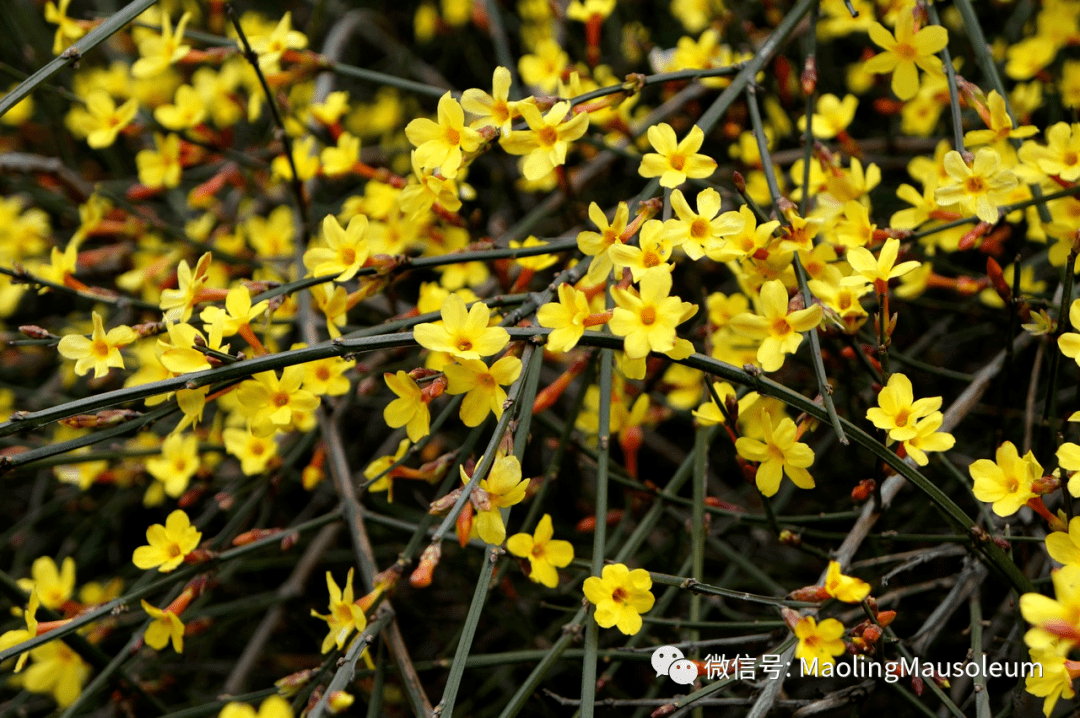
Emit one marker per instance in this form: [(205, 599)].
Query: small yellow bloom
[(1064, 547), (346, 249), (101, 120), (441, 144), (382, 465), (168, 544), (502, 489), (547, 140), (101, 351), (597, 244), (186, 112), (979, 188), (780, 453), (1061, 613), (845, 588), (254, 452), (178, 303), (897, 411), (620, 596), (703, 231), (54, 587), (1068, 456), (340, 160), (273, 707), (779, 331), (1069, 342), (566, 318), (160, 51), (270, 403), (344, 616), (238, 311), (544, 554), (271, 47), (928, 438), (496, 109), (674, 161), (178, 462), (160, 167), (648, 321), (57, 670), (67, 29), (876, 271), (481, 386), (409, 409), (22, 635), (906, 51), (462, 333), (1007, 480), (166, 626), (1000, 125), (819, 642)]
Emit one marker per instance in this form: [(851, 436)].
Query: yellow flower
[(648, 321), (1000, 125), (481, 386), (1061, 156), (502, 489), (566, 318), (165, 627), (778, 330), (1069, 342), (22, 635), (101, 120), (186, 112), (544, 68), (270, 403), (56, 670), (346, 249), (160, 167), (179, 355), (178, 303), (819, 642), (1007, 480), (704, 231), (160, 51), (304, 157), (547, 140), (1052, 618), (272, 707), (344, 616), (270, 47), (876, 271), (674, 161), (979, 188), (1054, 681), (254, 452), (340, 160), (1068, 456), (654, 250), (928, 438), (1064, 547), (238, 311), (597, 244), (495, 110), (168, 544), (54, 587), (178, 462), (409, 409), (463, 333), (905, 51), (831, 116), (745, 241), (584, 12), (780, 453), (67, 30), (326, 377), (544, 554), (620, 596), (897, 410), (381, 465), (430, 188), (101, 351), (845, 588), (441, 144)]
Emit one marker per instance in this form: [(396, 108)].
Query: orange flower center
[(174, 550), (1070, 158), (257, 448), (280, 399), (905, 51), (464, 345), (619, 595), (699, 229), (974, 185), (780, 326), (650, 259), (348, 255), (648, 315), (100, 349), (453, 137), (1012, 484), (677, 161), (322, 373), (902, 417), (547, 136)]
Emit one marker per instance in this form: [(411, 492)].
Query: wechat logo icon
[(669, 661)]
